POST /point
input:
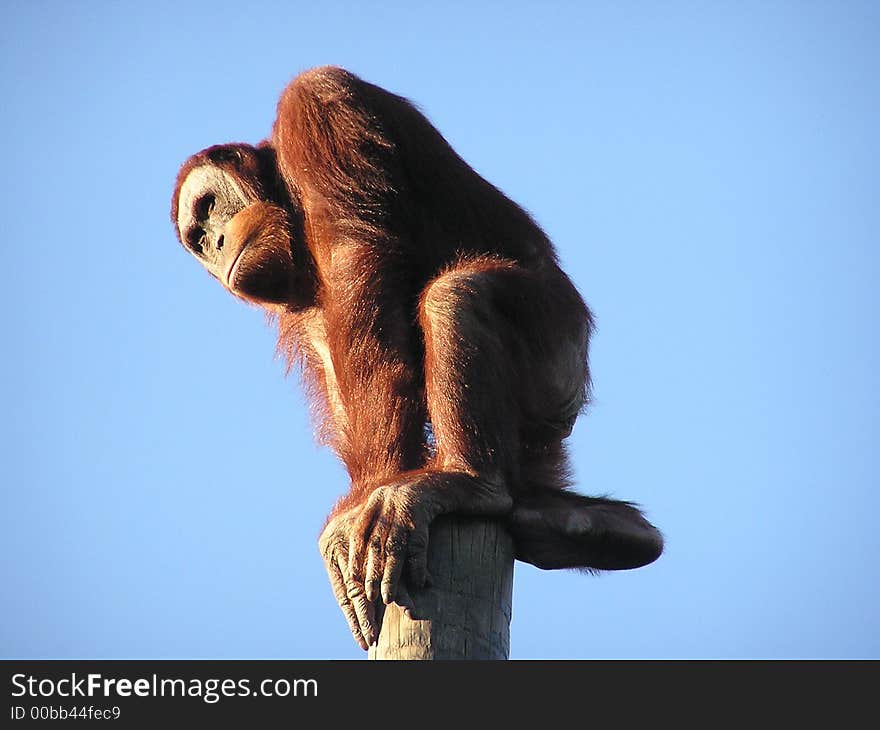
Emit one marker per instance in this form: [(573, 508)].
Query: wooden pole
[(465, 612)]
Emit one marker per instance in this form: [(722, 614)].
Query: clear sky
[(709, 174)]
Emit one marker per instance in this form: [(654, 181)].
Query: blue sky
[(708, 172)]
